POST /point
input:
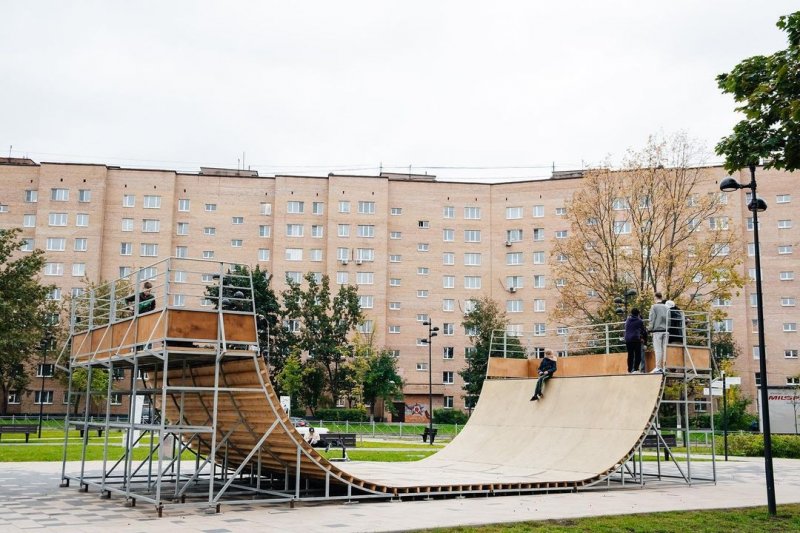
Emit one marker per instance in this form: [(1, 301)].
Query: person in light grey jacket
[(659, 318)]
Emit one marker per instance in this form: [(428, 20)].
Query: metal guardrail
[(591, 339)]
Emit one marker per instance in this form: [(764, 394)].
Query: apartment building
[(418, 249)]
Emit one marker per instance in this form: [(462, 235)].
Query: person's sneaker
[(656, 370), (534, 398), (634, 372)]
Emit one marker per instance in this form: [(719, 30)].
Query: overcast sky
[(312, 87)]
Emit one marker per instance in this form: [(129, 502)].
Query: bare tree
[(648, 226)]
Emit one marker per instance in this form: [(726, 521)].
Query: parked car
[(298, 422)]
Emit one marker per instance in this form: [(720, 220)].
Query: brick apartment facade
[(416, 247)]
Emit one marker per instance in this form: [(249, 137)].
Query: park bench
[(99, 432), (19, 428), (651, 441), (339, 440), (428, 432)]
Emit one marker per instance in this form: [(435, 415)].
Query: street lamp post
[(623, 300), (756, 206), (431, 334), (44, 345)]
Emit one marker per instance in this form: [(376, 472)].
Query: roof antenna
[(10, 146)]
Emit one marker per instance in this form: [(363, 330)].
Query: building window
[(236, 243), (538, 281), (127, 224), (619, 204), (365, 278), (31, 196), (422, 293), (539, 329), (366, 208), (366, 230), (394, 282), (183, 205), (148, 249), (263, 254), (447, 377), (472, 282), (317, 231), (421, 366), (538, 234), (790, 354), (54, 294), (513, 306), (539, 306), (79, 269), (621, 227), (208, 254), (448, 329), (294, 230), (561, 211), (514, 282), (395, 258), (295, 207), (448, 235), (472, 259), (45, 371), (46, 398), (56, 244), (366, 301), (423, 224), (514, 258), (365, 254), (236, 221), (723, 326), (783, 198), (265, 209), (28, 221), (264, 231), (394, 306), (785, 249), (561, 234), (183, 228), (128, 200), (513, 235), (423, 271), (342, 277), (448, 305), (472, 213), (182, 251), (538, 211), (539, 258), (448, 352), (315, 254), (27, 244), (54, 269), (790, 327), (472, 235), (82, 220), (394, 329), (784, 224), (13, 397), (3, 208), (788, 302), (448, 211), (57, 219), (294, 254), (513, 213), (84, 196), (448, 282), (59, 195), (395, 211), (210, 208), (151, 225), (787, 275), (152, 201), (423, 247)]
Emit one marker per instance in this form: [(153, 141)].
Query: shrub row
[(752, 444), (341, 415), (449, 416)]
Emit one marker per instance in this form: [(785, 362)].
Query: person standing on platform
[(547, 368), (659, 318), (635, 333), (675, 327)]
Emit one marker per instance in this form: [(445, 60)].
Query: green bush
[(449, 416), (752, 445), (298, 411), (341, 415)]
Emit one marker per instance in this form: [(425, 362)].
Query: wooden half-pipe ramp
[(579, 434)]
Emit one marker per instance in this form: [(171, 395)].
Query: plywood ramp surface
[(580, 431)]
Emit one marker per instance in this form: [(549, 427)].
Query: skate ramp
[(582, 430)]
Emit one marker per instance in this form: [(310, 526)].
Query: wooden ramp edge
[(578, 434)]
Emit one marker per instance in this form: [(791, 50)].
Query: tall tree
[(381, 380), (290, 378), (326, 321), (24, 312), (648, 226), (767, 89), (484, 320)]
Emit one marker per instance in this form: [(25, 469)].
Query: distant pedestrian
[(635, 335), (659, 318), (312, 437), (547, 368)]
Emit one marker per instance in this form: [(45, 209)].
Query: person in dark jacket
[(147, 302), (635, 332), (675, 327), (547, 368)]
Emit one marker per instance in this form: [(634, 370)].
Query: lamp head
[(618, 300), (435, 329), (757, 204), (426, 323), (729, 184), (434, 334), (620, 311), (630, 293)]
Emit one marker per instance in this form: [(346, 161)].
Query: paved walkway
[(31, 500)]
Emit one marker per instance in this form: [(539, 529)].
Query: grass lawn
[(750, 520), (378, 455)]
